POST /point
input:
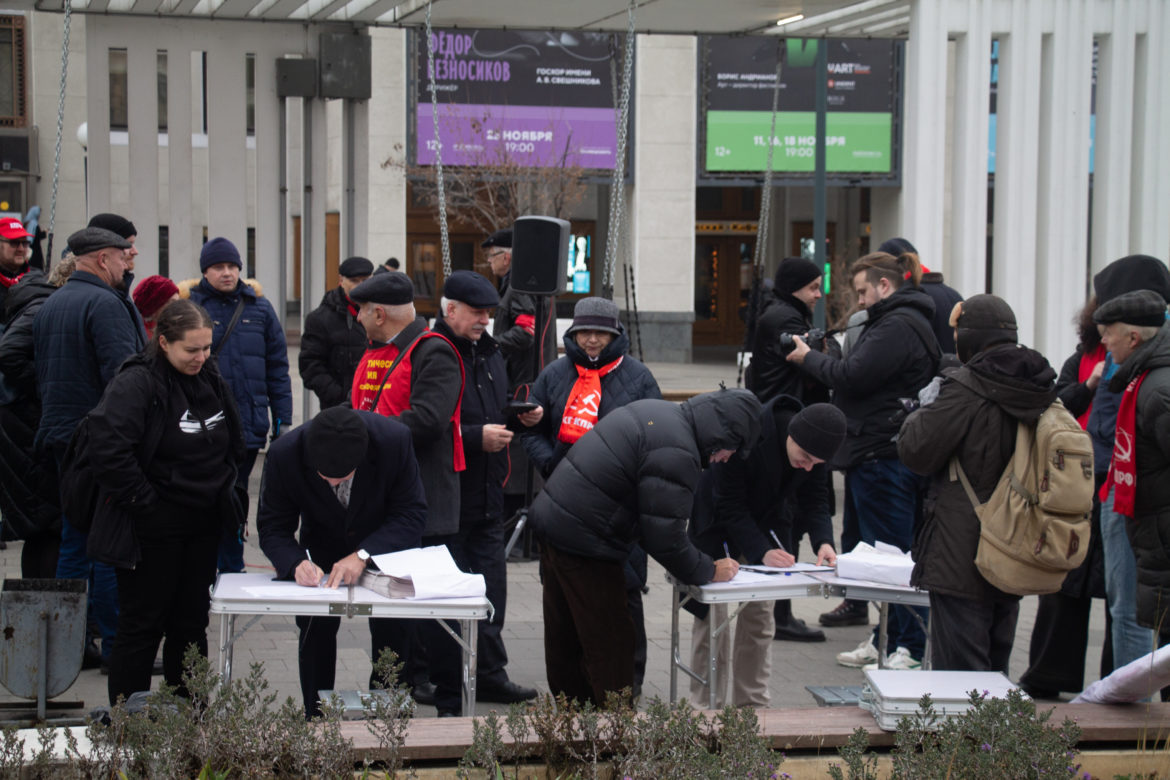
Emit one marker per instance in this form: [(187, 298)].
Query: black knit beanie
[(819, 430), (1134, 272), (794, 273), (336, 442), (115, 223)]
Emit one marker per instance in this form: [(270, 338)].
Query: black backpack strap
[(925, 334), (231, 325)]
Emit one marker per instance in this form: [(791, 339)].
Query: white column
[(226, 142), (924, 147), (661, 205), (142, 111), (1150, 188), (965, 265), (360, 181), (1115, 115), (1018, 109), (97, 99), (269, 261), (1062, 243), (313, 206), (184, 236), (387, 139)]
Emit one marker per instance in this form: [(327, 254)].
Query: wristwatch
[(363, 556)]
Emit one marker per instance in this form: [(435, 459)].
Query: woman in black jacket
[(164, 442)]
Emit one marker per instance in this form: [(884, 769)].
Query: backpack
[(1035, 527)]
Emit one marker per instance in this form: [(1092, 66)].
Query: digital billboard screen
[(512, 97), (738, 76)]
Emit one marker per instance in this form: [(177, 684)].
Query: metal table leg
[(675, 660), (883, 628), (227, 629), (713, 651)]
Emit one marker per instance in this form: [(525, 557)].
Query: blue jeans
[(74, 564), (1130, 641), (884, 495)]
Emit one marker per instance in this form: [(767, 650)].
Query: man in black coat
[(799, 284), (631, 479), (334, 341), (895, 356), (351, 482), (478, 547), (742, 503)]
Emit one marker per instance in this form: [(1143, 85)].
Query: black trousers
[(166, 595), (1060, 638), (588, 632), (317, 653), (972, 636), (478, 548)]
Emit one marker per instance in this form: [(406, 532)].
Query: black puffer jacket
[(769, 374), (975, 417), (16, 346), (1149, 529), (633, 477), (895, 356), (631, 381), (331, 346)]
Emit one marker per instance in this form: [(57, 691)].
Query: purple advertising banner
[(519, 135), (517, 97)]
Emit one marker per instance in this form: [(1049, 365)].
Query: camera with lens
[(815, 339)]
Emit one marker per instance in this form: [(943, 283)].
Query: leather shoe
[(796, 630), (847, 613), (506, 692), (424, 693)]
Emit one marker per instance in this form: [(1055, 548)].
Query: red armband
[(528, 322)]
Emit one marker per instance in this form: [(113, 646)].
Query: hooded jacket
[(254, 359), (1149, 528), (629, 382), (975, 418), (16, 345), (895, 356), (332, 344), (632, 479)]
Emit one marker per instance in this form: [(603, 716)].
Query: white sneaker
[(900, 659), (865, 653)]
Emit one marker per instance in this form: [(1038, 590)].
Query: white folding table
[(885, 594), (259, 594)]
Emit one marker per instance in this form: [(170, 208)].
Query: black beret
[(390, 289), (501, 238), (1143, 308), (115, 223), (471, 288), (1133, 272), (355, 266), (91, 239), (336, 442)]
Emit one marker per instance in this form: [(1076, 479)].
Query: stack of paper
[(422, 573), (882, 563)]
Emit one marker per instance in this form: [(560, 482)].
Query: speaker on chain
[(540, 251)]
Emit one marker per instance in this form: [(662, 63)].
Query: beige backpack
[(1035, 527)]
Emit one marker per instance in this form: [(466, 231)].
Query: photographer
[(799, 284), (896, 355)]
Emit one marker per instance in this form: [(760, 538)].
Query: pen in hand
[(776, 539), (726, 552), (309, 558)]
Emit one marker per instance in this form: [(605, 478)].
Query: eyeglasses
[(496, 253), (16, 243)]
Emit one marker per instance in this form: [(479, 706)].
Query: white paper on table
[(1133, 682), (883, 563), (281, 592), (800, 567), (433, 573), (745, 577)]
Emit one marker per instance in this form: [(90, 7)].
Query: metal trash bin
[(42, 637)]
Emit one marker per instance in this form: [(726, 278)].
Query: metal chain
[(68, 7), (441, 191), (617, 195), (764, 224)]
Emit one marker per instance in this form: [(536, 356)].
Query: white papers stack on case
[(421, 573), (883, 563), (892, 694)]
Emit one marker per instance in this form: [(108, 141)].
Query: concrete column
[(1149, 231), (661, 205), (97, 98), (184, 235), (1112, 165), (1017, 147), (924, 147), (269, 262), (142, 111), (226, 143), (386, 142), (965, 263)]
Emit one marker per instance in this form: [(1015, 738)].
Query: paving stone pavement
[(272, 640)]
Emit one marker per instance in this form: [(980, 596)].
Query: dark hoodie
[(975, 418), (632, 479), (631, 381), (1149, 529), (895, 356)]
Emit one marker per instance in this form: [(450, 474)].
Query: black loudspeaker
[(540, 253), (345, 65)]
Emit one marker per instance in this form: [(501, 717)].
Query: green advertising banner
[(856, 142)]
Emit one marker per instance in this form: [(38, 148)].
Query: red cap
[(10, 228)]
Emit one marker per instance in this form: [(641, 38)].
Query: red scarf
[(584, 400), (1089, 361), (9, 281), (1123, 467)]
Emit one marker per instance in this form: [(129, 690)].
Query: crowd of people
[(427, 430)]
